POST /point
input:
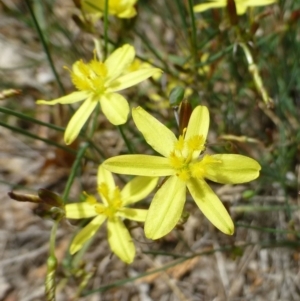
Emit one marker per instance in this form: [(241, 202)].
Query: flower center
[(89, 77), (113, 201), (184, 157)]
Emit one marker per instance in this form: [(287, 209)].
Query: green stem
[(150, 46), (30, 119), (130, 149), (182, 258), (181, 11), (269, 230), (106, 6), (28, 134), (194, 33), (45, 46), (76, 164), (48, 125), (50, 284)]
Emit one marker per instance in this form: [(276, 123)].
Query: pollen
[(100, 209), (184, 174), (195, 143), (90, 199), (98, 68), (89, 77), (198, 170), (184, 157), (116, 200), (179, 145), (176, 161), (113, 200), (103, 190)]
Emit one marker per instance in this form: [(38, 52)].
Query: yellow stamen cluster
[(90, 76), (113, 199), (182, 158)]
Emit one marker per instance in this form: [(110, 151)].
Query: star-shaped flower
[(113, 209), (241, 5), (120, 8), (98, 82), (184, 167)]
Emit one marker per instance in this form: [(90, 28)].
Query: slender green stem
[(216, 56), (53, 238), (28, 134), (181, 11), (263, 244), (31, 119), (45, 46), (253, 69), (50, 284), (264, 229), (97, 149), (194, 33), (147, 43), (247, 208), (49, 125), (130, 148), (76, 164), (106, 28)]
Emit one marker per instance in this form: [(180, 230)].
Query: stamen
[(104, 190), (197, 170), (179, 145), (175, 161), (184, 174), (116, 201), (90, 199), (195, 143)]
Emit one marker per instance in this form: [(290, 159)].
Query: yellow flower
[(119, 8), (241, 5), (114, 210), (98, 82), (182, 164)]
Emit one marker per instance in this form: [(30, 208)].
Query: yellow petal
[(138, 215), (119, 61), (156, 134), (137, 189), (205, 6), (231, 169), (115, 107), (210, 205), (105, 176), (128, 13), (86, 233), (199, 123), (241, 5), (139, 165), (79, 210), (122, 9), (260, 2), (241, 9), (166, 208), (120, 240), (79, 119), (70, 98), (132, 78)]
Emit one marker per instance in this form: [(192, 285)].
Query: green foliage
[(244, 67)]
